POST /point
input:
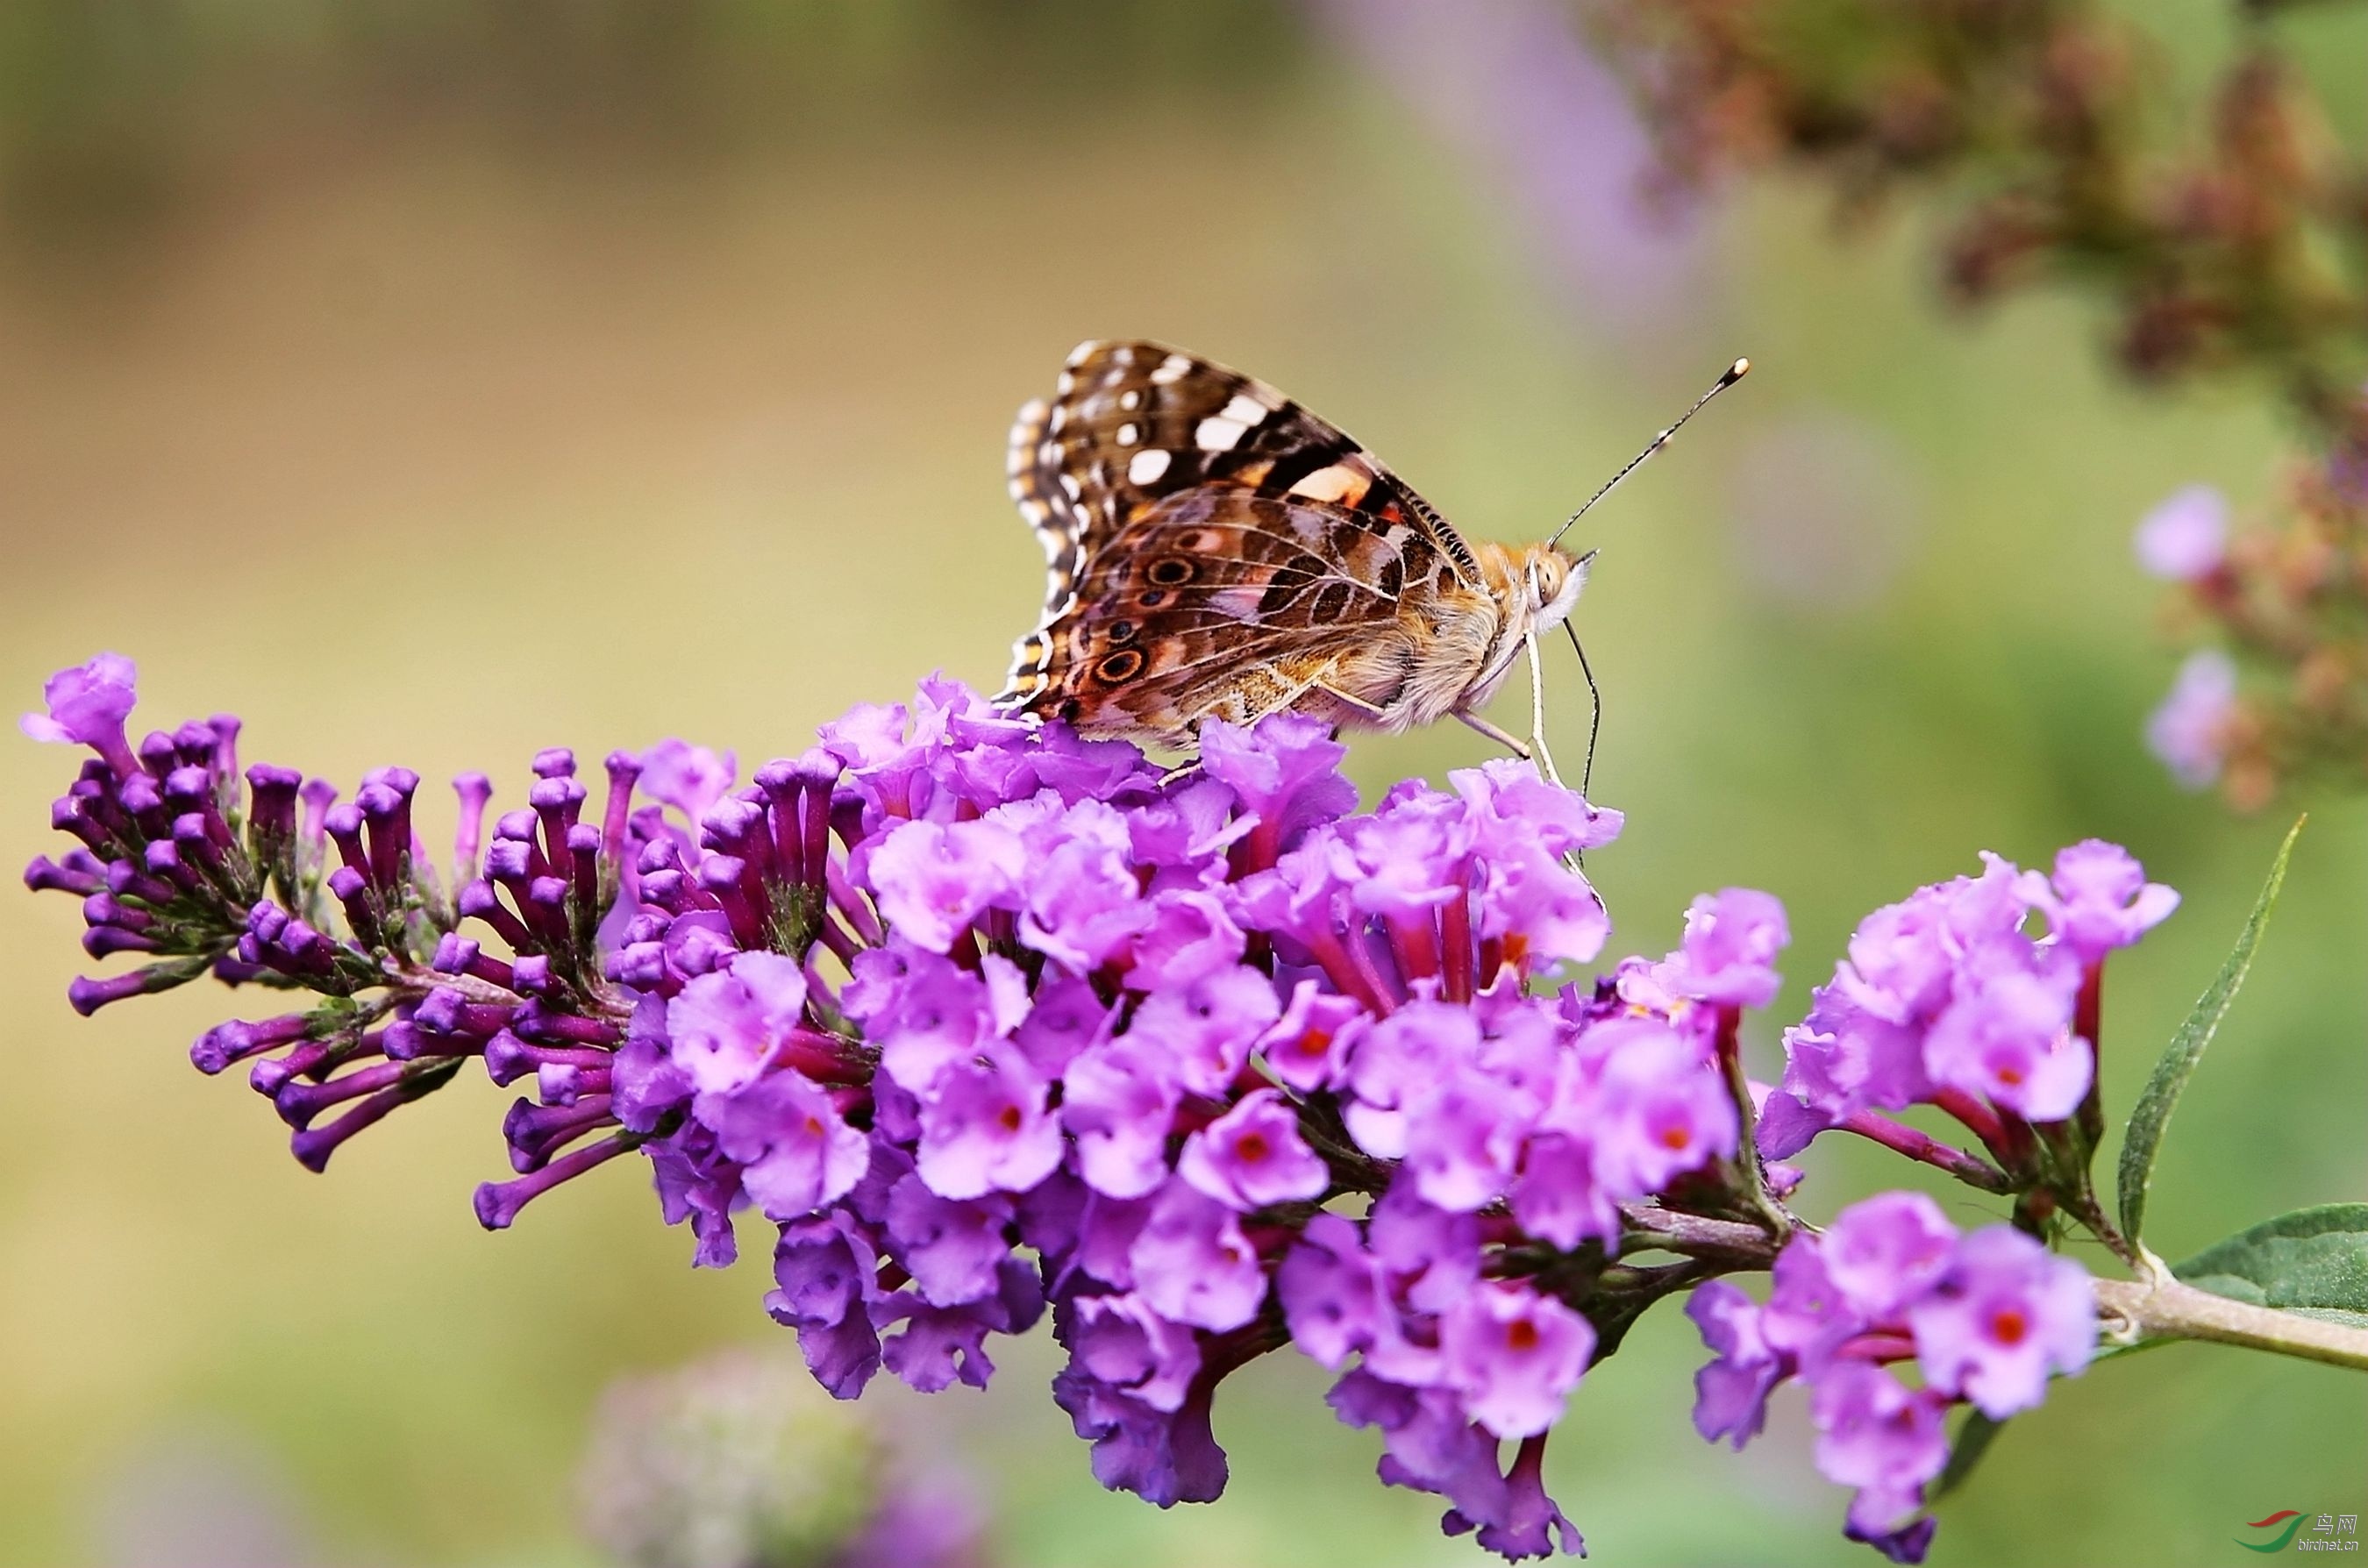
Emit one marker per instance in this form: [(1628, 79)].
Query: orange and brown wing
[(1145, 446)]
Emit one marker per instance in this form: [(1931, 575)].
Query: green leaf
[(1974, 1435), (2313, 1261), (2151, 1115)]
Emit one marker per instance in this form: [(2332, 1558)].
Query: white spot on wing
[(1128, 435), (1146, 465), (1245, 410), (1330, 483), (1175, 367), (1131, 399), (1218, 433)]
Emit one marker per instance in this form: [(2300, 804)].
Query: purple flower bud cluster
[(1986, 1317), (1945, 999), (993, 1023)]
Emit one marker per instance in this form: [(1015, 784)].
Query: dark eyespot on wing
[(1117, 669)]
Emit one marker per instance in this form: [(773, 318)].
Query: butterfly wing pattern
[(1214, 548)]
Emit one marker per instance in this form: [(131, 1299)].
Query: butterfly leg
[(1576, 859), (1594, 709), (1509, 742), (1537, 714), (1372, 710)]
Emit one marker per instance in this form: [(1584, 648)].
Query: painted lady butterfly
[(1215, 549)]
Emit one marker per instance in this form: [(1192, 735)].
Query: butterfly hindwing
[(1217, 594), (1147, 454)]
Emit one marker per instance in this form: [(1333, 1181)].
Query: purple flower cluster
[(1986, 1317), (993, 1023), (1945, 999)]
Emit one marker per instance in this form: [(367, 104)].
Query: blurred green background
[(434, 382)]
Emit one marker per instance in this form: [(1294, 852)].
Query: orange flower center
[(2008, 1327), (1010, 1118), (1250, 1148)]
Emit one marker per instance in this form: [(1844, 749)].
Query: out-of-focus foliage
[(2223, 227), (2062, 149)]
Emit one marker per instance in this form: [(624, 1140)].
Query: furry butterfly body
[(1215, 549)]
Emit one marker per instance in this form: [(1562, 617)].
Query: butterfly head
[(1535, 586)]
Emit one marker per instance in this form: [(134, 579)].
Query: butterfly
[(1217, 550)]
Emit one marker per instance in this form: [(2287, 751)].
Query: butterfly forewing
[(1211, 543)]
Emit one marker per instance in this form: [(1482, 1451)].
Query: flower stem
[(2088, 1022), (1738, 1087), (1902, 1139), (2169, 1309), (1979, 1119), (1694, 1236)]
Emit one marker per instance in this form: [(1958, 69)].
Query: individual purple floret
[(87, 705), (1730, 952), (2004, 1315), (2098, 899)]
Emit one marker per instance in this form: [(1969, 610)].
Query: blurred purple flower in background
[(740, 1462), (2190, 729), (2186, 536), (1514, 89), (1826, 510), (200, 1496)]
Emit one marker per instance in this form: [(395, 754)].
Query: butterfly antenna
[(1735, 373)]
